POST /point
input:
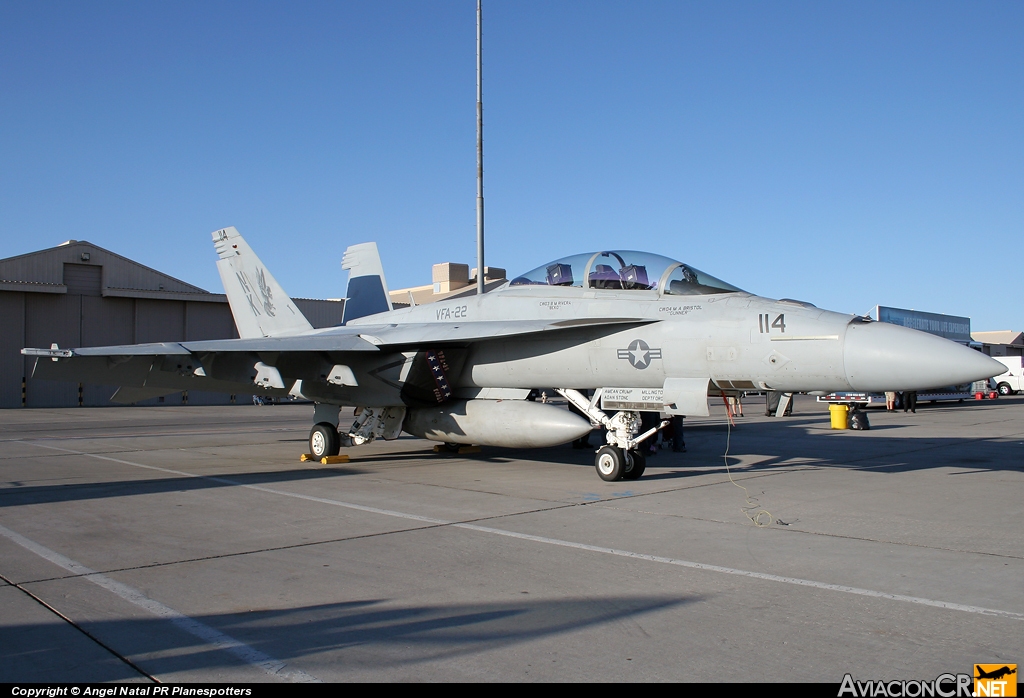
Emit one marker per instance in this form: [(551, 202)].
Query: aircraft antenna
[(479, 154)]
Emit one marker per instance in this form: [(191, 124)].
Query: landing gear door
[(687, 396)]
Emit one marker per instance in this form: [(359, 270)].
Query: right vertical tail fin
[(367, 292), (259, 305)]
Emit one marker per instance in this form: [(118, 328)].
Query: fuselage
[(737, 340), (654, 333)]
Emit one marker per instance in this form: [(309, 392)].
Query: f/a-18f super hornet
[(643, 331)]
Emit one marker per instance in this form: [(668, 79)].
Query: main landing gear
[(324, 440), (371, 423), (621, 459)]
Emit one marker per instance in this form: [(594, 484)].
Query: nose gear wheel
[(610, 463)]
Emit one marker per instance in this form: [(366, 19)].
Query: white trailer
[(1013, 380)]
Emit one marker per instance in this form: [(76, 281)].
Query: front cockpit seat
[(559, 275)]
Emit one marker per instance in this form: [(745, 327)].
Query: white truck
[(1012, 381)]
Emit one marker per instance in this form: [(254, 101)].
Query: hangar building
[(80, 295), (1000, 342)]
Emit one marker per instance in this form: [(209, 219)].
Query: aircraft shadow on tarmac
[(48, 494), (805, 442), (755, 447), (364, 635)]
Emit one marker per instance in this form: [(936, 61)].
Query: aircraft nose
[(879, 356)]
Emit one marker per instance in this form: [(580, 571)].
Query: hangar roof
[(999, 337), (80, 262)]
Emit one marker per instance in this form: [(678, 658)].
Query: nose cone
[(880, 356)]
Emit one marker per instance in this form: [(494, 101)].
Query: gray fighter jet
[(643, 331)]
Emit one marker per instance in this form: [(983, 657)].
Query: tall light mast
[(479, 154)]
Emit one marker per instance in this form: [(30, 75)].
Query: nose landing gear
[(621, 459)]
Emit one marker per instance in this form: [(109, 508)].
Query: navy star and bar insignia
[(639, 354)]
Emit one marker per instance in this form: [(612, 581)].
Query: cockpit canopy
[(625, 270)]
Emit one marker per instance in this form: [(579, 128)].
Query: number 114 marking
[(764, 324)]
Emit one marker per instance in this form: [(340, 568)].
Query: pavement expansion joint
[(223, 556), (306, 544), (208, 634), (420, 522), (120, 657)]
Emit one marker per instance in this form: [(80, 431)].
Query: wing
[(323, 358)]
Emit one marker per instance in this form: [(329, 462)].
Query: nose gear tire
[(639, 465), (610, 463)]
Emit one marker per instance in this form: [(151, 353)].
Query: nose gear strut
[(621, 458)]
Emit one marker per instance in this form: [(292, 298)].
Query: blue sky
[(842, 153)]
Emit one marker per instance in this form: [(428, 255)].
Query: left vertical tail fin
[(259, 305)]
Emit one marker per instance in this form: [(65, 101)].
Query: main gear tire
[(324, 440), (639, 465), (610, 463)]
